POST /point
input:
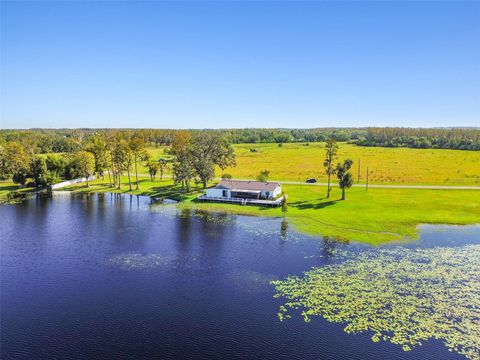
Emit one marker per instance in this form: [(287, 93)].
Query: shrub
[(263, 176)]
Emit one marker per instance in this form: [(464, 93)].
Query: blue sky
[(239, 64)]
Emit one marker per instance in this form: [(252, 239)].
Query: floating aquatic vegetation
[(402, 295)]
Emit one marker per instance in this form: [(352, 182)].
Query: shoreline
[(374, 217)]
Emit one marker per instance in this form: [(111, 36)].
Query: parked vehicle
[(311, 181)]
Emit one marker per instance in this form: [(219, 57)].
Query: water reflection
[(283, 230), (331, 245)]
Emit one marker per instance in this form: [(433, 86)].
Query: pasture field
[(396, 166), (402, 166)]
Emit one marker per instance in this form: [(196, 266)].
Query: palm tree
[(345, 178)]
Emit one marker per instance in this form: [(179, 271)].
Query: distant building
[(244, 189)]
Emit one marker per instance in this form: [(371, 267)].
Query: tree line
[(71, 140), (455, 138)]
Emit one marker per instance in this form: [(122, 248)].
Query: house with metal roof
[(245, 191)]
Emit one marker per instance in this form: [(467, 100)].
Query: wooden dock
[(240, 201)]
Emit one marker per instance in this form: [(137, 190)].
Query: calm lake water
[(111, 277)]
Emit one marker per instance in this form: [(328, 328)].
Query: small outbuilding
[(245, 189)]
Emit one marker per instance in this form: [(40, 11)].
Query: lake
[(110, 276)]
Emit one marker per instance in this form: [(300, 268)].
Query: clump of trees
[(20, 163), (111, 153), (195, 157)]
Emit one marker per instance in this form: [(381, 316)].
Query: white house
[(244, 189)]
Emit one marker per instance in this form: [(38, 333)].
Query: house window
[(225, 193)]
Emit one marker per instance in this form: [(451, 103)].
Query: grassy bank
[(374, 216), (159, 188)]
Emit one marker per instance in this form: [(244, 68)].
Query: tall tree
[(138, 152), (127, 161), (162, 166), (110, 140), (331, 149), (182, 170), (345, 178), (226, 157), (85, 164), (152, 166), (99, 148), (122, 158)]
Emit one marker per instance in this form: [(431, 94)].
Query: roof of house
[(239, 185)]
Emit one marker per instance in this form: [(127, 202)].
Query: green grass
[(159, 188)]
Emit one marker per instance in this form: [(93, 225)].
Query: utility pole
[(358, 178), (366, 182)]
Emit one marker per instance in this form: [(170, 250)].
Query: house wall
[(274, 194), (216, 192), (277, 191), (213, 192)]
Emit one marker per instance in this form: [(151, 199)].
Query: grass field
[(402, 166), (386, 165)]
